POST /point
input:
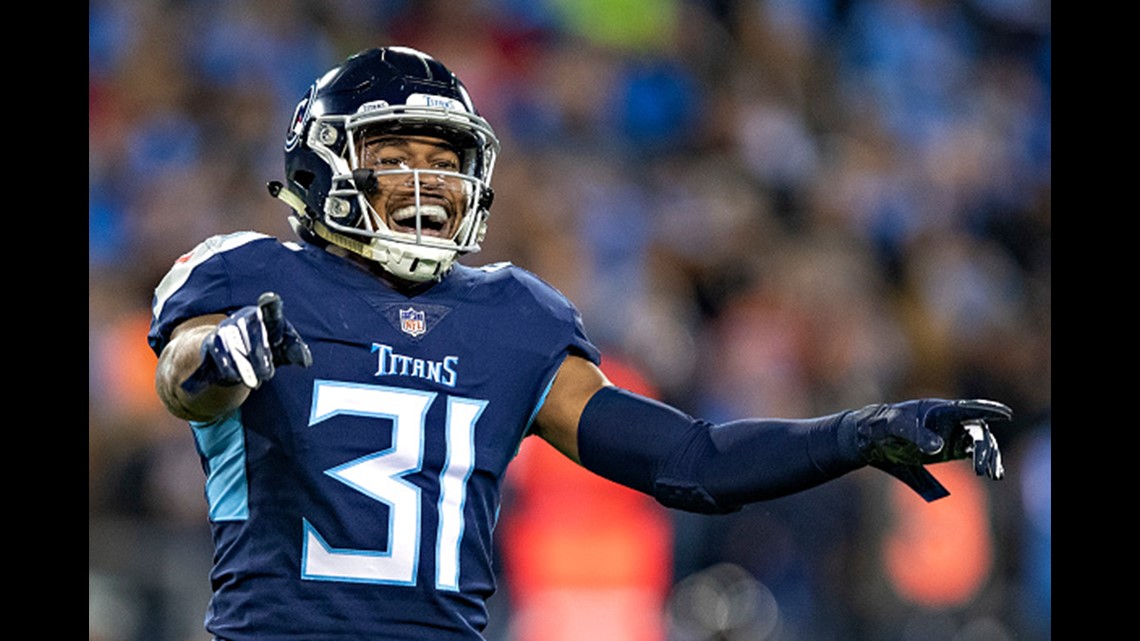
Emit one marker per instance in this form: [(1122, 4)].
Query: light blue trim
[(538, 407), (222, 443), (541, 402)]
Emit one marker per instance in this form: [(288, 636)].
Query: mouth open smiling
[(433, 220)]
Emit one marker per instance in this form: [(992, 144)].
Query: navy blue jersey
[(356, 499)]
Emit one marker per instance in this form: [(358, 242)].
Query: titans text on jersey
[(393, 364)]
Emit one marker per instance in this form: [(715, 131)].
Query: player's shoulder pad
[(508, 274), (204, 251), (496, 270)]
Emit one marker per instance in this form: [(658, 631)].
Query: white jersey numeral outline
[(380, 476)]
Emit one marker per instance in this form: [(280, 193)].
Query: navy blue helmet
[(392, 91)]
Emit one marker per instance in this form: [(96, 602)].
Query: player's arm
[(697, 466), (575, 384), (179, 359), (213, 362)]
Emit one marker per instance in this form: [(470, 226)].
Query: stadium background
[(762, 207)]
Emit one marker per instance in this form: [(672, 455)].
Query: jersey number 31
[(380, 476)]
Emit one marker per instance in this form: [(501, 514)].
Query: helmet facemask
[(414, 213)]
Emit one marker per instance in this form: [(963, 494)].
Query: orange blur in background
[(586, 558)]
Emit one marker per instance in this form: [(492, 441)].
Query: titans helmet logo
[(300, 117)]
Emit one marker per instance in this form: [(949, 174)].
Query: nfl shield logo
[(412, 322)]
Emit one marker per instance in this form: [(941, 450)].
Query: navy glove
[(248, 346), (901, 438)]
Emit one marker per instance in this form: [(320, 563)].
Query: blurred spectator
[(1034, 586)]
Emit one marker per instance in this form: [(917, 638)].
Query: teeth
[(430, 213)]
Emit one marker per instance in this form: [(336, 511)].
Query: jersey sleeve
[(565, 326), (198, 283), (555, 327), (580, 344)]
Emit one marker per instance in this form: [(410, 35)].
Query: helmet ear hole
[(304, 178)]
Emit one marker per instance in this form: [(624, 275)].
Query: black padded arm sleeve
[(693, 465)]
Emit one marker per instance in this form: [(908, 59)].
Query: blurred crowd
[(766, 207)]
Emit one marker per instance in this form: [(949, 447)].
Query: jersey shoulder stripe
[(186, 263)]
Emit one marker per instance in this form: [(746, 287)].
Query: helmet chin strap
[(383, 257), (351, 244)]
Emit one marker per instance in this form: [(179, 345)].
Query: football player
[(356, 394)]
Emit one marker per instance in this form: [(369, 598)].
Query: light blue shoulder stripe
[(222, 443)]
